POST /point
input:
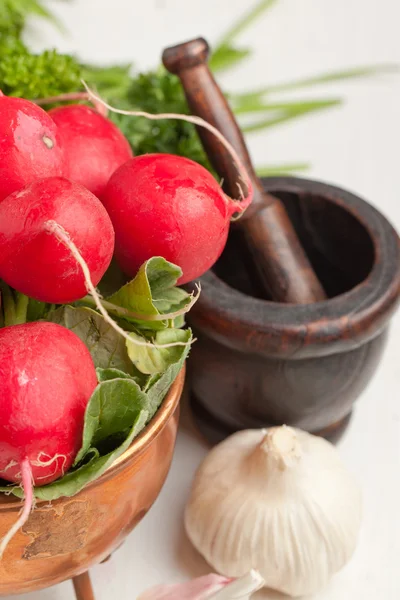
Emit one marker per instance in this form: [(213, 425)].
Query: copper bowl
[(63, 539)]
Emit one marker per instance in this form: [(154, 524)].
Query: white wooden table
[(357, 147)]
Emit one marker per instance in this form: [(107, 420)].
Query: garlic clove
[(240, 589), (197, 589), (210, 587)]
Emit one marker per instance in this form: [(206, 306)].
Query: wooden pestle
[(284, 269)]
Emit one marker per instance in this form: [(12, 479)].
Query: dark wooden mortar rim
[(299, 331), (148, 435)]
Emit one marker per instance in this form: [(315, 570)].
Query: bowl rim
[(139, 444), (349, 319)]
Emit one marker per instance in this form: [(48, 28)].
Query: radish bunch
[(158, 204), (71, 192)]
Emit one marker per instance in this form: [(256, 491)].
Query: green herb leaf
[(109, 374), (38, 310), (159, 385), (32, 76), (112, 82), (31, 7), (274, 170), (150, 360), (152, 92), (289, 114), (245, 21), (257, 104), (152, 293), (323, 78), (227, 56), (112, 280), (106, 346), (74, 481), (13, 14), (111, 411)]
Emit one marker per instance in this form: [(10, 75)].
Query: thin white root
[(126, 313), (63, 236), (96, 99), (47, 463), (40, 462), (27, 485), (12, 463)]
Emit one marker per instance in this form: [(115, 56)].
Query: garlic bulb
[(210, 587), (278, 500)]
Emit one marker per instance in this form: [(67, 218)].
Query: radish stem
[(21, 309), (8, 304), (62, 98), (1, 310), (27, 486), (71, 97), (59, 232)]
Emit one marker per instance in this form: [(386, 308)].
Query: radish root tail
[(40, 462), (63, 236), (27, 485), (237, 206)]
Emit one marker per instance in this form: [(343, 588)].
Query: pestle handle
[(283, 266)]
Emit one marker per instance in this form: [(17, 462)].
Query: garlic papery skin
[(209, 587), (279, 500)]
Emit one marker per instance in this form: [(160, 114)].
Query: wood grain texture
[(259, 363), (65, 538), (283, 267)]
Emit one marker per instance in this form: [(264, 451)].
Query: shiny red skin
[(93, 145), (167, 205), (46, 379), (30, 146), (33, 260)]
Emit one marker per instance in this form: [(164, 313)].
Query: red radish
[(93, 145), (47, 377), (32, 258), (170, 206), (30, 147)]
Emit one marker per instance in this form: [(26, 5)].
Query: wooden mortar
[(259, 363), (64, 539)]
